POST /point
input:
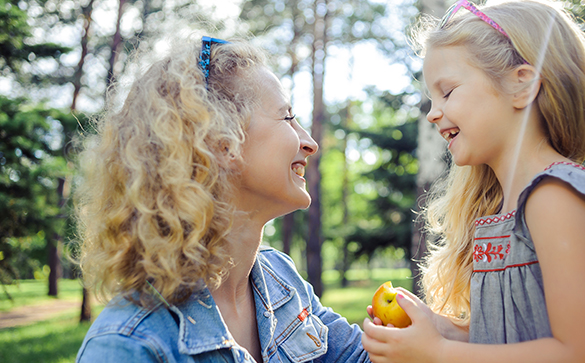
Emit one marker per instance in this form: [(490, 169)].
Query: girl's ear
[(526, 81)]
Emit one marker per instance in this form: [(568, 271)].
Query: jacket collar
[(272, 290), (201, 326)]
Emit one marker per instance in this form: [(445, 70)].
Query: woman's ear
[(526, 82), (226, 157)]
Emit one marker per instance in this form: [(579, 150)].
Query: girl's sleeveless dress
[(507, 290)]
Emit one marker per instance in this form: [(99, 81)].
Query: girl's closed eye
[(448, 93), (290, 118)]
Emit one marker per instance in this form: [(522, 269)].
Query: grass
[(32, 292), (51, 341), (57, 340)]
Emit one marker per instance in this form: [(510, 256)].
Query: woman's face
[(275, 154)]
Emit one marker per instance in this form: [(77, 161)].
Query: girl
[(508, 95), (177, 187)]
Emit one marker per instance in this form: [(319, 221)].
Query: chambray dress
[(507, 290)]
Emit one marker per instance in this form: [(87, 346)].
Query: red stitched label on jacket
[(303, 314)]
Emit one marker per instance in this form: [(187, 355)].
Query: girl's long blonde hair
[(545, 36), (153, 200)]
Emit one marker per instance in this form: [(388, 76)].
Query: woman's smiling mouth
[(299, 169)]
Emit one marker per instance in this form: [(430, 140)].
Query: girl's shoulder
[(571, 174)]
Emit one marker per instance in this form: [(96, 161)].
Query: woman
[(177, 188)]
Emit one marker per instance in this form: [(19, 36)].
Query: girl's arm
[(555, 214)]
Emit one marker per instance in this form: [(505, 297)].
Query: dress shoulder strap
[(571, 173)]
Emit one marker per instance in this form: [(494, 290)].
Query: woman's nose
[(434, 114), (308, 144)]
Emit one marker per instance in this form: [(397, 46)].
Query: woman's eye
[(289, 118)]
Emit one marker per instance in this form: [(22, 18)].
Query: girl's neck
[(514, 174)]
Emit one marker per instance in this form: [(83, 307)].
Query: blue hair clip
[(205, 55)]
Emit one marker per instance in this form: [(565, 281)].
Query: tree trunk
[(86, 11), (314, 266), (431, 148), (54, 258), (85, 314), (116, 42), (54, 265), (85, 307)]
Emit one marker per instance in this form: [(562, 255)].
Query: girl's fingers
[(376, 358), (372, 345), (409, 294), (410, 307), (377, 321), (370, 311), (374, 331)]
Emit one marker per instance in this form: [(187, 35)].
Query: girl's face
[(275, 154), (470, 113)]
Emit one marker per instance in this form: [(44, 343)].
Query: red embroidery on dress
[(565, 163), (507, 267), (495, 219), (490, 252), (494, 237)]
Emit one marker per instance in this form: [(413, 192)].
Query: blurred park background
[(354, 85)]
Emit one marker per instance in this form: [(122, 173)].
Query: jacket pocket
[(308, 340)]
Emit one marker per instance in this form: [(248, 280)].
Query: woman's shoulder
[(134, 329)]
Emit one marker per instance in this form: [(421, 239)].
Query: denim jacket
[(293, 326)]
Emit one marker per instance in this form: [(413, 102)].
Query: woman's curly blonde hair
[(153, 199)]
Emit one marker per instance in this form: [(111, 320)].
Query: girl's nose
[(434, 114)]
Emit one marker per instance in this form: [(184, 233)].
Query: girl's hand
[(413, 297), (443, 324), (420, 342)]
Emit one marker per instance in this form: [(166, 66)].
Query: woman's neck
[(244, 240)]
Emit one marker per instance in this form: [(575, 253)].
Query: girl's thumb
[(409, 306)]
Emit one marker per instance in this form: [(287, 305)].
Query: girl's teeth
[(299, 170), (447, 135)]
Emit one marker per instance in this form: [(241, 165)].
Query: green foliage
[(32, 169), (369, 178), (18, 51), (393, 138), (286, 28), (577, 9), (34, 142)]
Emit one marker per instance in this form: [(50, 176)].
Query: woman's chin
[(302, 203)]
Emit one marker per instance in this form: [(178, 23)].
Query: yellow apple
[(386, 307)]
